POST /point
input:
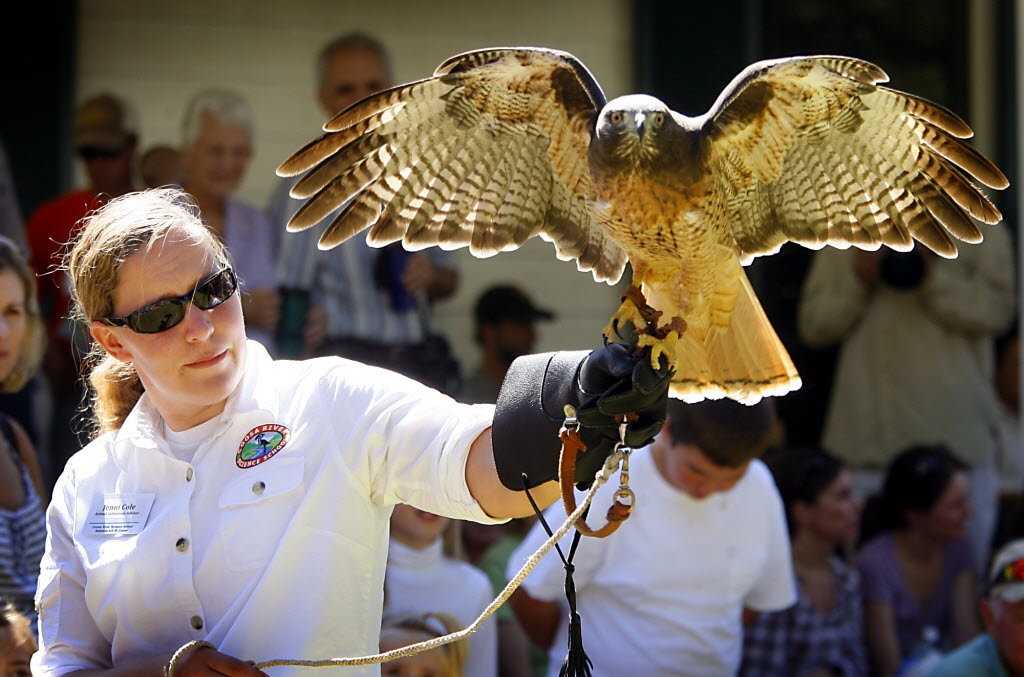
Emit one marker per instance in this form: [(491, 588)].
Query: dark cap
[(103, 122), (505, 302)]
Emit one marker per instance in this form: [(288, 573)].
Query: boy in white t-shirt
[(705, 548)]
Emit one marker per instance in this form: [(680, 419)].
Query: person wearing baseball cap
[(104, 136), (1000, 651), (505, 318)]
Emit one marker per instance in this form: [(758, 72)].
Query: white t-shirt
[(265, 549), (664, 594), (424, 581)]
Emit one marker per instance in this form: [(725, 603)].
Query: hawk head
[(635, 130)]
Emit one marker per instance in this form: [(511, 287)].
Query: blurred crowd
[(893, 547)]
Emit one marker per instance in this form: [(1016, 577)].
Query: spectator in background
[(17, 643), (1000, 651), (821, 635), (215, 153), (505, 319), (105, 138), (375, 303), (160, 166), (915, 361), (30, 405), (23, 495), (705, 551), (421, 579), (401, 631), (916, 566)]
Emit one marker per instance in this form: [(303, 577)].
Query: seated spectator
[(22, 493), (160, 166), (822, 633), (705, 551), (215, 153), (421, 578), (1000, 651), (17, 643), (447, 660), (917, 574)]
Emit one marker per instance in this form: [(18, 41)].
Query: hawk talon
[(660, 345)]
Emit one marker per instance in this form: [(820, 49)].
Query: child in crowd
[(17, 644), (444, 661), (422, 578)]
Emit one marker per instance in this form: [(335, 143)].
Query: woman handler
[(244, 502)]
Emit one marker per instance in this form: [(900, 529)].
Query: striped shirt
[(22, 539), (342, 280)]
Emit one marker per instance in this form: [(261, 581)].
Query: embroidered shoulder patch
[(261, 444)]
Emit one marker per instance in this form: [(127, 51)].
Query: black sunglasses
[(167, 313)]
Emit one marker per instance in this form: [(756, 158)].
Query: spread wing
[(814, 151), (487, 153)]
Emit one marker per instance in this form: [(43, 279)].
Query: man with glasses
[(1000, 651), (105, 138), (375, 303)]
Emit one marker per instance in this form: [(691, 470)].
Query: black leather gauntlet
[(603, 384)]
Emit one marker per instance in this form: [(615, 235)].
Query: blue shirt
[(977, 658)]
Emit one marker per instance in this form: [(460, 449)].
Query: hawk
[(503, 144)]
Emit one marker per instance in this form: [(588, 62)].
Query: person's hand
[(314, 332), (867, 266), (262, 308), (615, 380), (419, 273), (203, 662)]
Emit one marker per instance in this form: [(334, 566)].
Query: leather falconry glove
[(603, 384)]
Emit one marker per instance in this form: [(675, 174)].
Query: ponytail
[(116, 389)]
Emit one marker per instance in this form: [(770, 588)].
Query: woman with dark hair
[(916, 566), (822, 633)]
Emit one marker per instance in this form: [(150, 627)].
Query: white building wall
[(156, 55)]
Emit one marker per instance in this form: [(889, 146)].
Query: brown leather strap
[(617, 514)]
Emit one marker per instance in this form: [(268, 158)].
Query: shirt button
[(258, 488), (182, 545), (197, 622), (188, 475)]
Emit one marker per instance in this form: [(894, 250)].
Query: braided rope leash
[(610, 466)]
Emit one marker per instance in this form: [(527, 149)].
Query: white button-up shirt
[(284, 558)]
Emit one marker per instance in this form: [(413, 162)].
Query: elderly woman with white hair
[(215, 153)]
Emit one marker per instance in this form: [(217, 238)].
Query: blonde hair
[(30, 352), (109, 237), (19, 625), (430, 626)]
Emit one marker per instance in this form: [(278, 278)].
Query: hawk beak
[(639, 120)]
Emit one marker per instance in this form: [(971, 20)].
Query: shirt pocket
[(256, 509)]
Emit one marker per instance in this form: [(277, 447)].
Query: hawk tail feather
[(744, 361)]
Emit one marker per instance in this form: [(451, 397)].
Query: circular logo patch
[(261, 444)]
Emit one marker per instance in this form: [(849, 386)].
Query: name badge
[(118, 514)]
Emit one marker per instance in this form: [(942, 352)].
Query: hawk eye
[(616, 117), (658, 119)]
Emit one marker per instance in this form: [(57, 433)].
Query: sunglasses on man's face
[(167, 313), (90, 154)]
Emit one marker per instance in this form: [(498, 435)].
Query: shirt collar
[(143, 428)]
